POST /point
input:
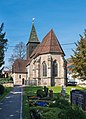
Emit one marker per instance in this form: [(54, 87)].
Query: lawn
[(32, 91)]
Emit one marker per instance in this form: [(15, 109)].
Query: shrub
[(71, 113), (61, 103), (2, 89), (51, 113), (40, 93), (35, 114)]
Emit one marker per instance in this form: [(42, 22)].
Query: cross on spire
[(33, 20)]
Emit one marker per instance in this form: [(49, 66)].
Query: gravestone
[(46, 91), (78, 97), (51, 93), (63, 91)]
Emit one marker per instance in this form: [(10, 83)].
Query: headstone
[(78, 97), (51, 93), (46, 91), (63, 91)]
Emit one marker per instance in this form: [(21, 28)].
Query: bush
[(6, 80), (51, 113), (61, 103), (40, 93), (71, 113), (34, 114), (2, 89)]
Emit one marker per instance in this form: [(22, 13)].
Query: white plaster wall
[(17, 80)]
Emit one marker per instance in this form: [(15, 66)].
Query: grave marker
[(78, 97)]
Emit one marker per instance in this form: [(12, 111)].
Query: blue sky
[(66, 17)]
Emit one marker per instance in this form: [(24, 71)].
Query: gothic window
[(55, 68), (44, 69)]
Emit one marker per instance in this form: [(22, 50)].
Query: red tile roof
[(50, 44), (19, 66)]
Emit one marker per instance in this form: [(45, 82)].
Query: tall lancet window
[(44, 69), (55, 68)]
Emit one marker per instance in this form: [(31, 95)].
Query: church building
[(45, 63)]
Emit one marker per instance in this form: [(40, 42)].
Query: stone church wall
[(36, 69)]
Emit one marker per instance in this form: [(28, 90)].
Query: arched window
[(44, 69), (55, 68)]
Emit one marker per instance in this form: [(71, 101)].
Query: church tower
[(32, 42)]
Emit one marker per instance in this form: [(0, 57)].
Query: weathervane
[(33, 20)]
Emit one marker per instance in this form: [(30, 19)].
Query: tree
[(79, 58), (3, 44), (69, 60), (19, 52)]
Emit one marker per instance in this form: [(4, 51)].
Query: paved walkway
[(10, 107)]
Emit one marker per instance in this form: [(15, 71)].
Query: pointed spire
[(33, 36)]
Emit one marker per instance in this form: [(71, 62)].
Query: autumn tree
[(19, 52), (79, 58), (3, 46)]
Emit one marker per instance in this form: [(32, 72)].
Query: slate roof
[(33, 35), (19, 66)]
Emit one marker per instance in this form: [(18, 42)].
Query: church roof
[(33, 35), (19, 66), (50, 44)]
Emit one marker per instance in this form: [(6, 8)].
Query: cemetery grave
[(45, 105), (78, 97), (43, 98)]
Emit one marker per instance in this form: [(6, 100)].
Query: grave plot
[(78, 97), (42, 98)]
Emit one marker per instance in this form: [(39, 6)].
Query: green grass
[(30, 90), (57, 89), (7, 90)]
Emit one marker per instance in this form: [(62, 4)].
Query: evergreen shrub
[(72, 113), (1, 89), (40, 93), (61, 103)]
